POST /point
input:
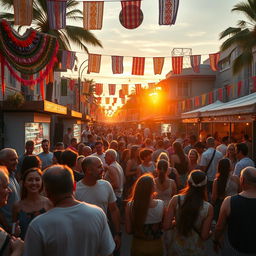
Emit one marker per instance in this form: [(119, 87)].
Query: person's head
[(4, 188), (110, 156), (225, 140), (177, 147), (210, 142), (9, 158), (73, 142), (146, 155), (224, 169), (87, 151), (99, 147), (231, 151), (31, 182), (59, 146), (162, 167), (142, 192), (160, 144), (148, 142), (199, 147), (46, 146), (248, 178), (29, 146), (30, 162), (69, 130), (57, 156), (92, 168), (195, 194), (192, 139), (58, 182), (113, 145), (134, 152), (193, 156), (80, 148), (163, 156), (121, 146), (105, 144), (90, 138), (241, 150), (79, 161), (68, 157)]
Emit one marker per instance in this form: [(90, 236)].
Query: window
[(64, 87), (183, 88)]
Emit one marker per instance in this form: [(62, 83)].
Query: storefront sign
[(41, 118), (190, 120), (76, 114), (229, 119), (54, 108)]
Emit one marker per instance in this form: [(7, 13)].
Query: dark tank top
[(242, 224)]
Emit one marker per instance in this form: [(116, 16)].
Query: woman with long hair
[(224, 185), (231, 155), (144, 216), (32, 203), (192, 215), (180, 162), (30, 161), (193, 157)]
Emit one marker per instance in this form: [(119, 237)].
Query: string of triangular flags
[(130, 16)]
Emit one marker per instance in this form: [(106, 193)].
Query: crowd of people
[(170, 193)]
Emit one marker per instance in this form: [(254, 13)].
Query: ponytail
[(162, 167)]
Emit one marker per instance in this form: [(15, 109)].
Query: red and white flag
[(94, 61), (117, 64), (138, 65), (239, 88), (121, 94), (158, 65), (112, 89), (214, 60), (107, 100), (125, 89), (177, 65), (114, 100), (137, 88), (99, 100), (71, 84), (220, 94), (123, 101), (195, 61), (98, 89)]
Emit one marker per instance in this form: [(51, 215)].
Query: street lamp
[(79, 82)]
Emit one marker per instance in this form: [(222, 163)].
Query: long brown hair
[(140, 199), (194, 197), (162, 167), (222, 176), (178, 150)]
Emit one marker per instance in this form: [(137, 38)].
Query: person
[(69, 158), (192, 142), (225, 184), (30, 161), (46, 156), (99, 151), (59, 146), (231, 155), (56, 156), (121, 147), (80, 148), (9, 158), (94, 190), (237, 215), (193, 217), (71, 227), (146, 166), (9, 245), (159, 150), (91, 141), (249, 145), (223, 146), (73, 144), (125, 156), (193, 160), (180, 162), (87, 151), (32, 203), (67, 137), (85, 134), (148, 144), (242, 157), (209, 162), (143, 218), (199, 147), (79, 161)]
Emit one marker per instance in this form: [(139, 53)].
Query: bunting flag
[(107, 100), (99, 100), (137, 89), (254, 83), (86, 87), (220, 94), (203, 99), (94, 61), (239, 88), (234, 90), (121, 94), (228, 90), (67, 59), (117, 64), (158, 65), (138, 65), (195, 61), (168, 10), (125, 90), (112, 89), (2, 62), (151, 85), (197, 101), (23, 12), (93, 15), (56, 11), (131, 15), (114, 100), (123, 101), (98, 89), (183, 105), (214, 60), (71, 84), (177, 65), (210, 97), (41, 86)]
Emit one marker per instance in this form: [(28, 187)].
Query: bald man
[(238, 212)]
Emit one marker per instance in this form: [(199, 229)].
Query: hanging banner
[(177, 65), (158, 65), (56, 11), (138, 65), (131, 15), (228, 90), (99, 100), (94, 61), (151, 85), (168, 10), (23, 12), (93, 15), (112, 89), (86, 87), (210, 97), (220, 94), (41, 86), (137, 89), (107, 100), (67, 59), (121, 94), (195, 61), (2, 60), (203, 99), (214, 60), (125, 89), (123, 101), (117, 64), (71, 84), (114, 100), (254, 83), (239, 88), (98, 89)]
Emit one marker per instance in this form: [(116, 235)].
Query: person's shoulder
[(91, 208), (104, 183)]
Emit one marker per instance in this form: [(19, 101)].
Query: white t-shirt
[(85, 133), (101, 157), (222, 148), (101, 194), (78, 230), (206, 157), (240, 165)]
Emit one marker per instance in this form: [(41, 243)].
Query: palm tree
[(242, 36), (71, 34)]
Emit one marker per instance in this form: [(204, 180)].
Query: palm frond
[(246, 8), (229, 31)]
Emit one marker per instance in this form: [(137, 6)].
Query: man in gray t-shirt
[(46, 156)]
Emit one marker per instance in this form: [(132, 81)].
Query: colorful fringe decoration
[(125, 89), (112, 89), (158, 65), (117, 64), (203, 99), (177, 65), (121, 94), (228, 89), (138, 66), (98, 89), (131, 15), (168, 10), (41, 86), (71, 84), (114, 101), (254, 83), (151, 85), (123, 101), (137, 89), (214, 60), (94, 61), (99, 100), (57, 13), (23, 12), (239, 88), (210, 97), (195, 61), (67, 59), (220, 94), (93, 15)]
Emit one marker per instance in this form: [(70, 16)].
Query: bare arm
[(169, 216), (205, 231), (174, 188), (128, 221), (214, 191), (113, 177)]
